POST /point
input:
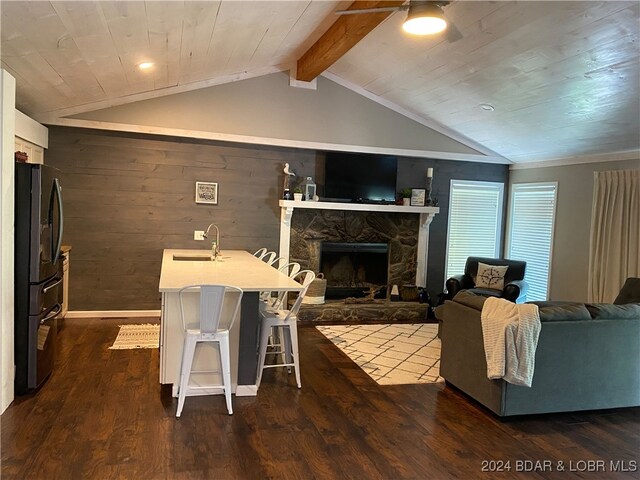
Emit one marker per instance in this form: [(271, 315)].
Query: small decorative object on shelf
[(286, 191), (297, 194), (417, 197), (405, 195), (22, 157), (428, 201), (309, 189)]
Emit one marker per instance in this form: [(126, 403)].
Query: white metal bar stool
[(290, 270), (260, 253), (271, 301), (286, 323), (217, 310), (269, 257), (275, 262)]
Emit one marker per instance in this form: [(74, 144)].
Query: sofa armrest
[(515, 291), (457, 283)]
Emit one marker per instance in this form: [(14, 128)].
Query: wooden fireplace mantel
[(426, 216)]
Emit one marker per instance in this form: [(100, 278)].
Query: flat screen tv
[(360, 177)]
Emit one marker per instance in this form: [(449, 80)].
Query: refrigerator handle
[(58, 193), (58, 281), (54, 313)]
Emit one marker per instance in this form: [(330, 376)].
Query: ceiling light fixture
[(145, 65), (424, 18), (487, 107)]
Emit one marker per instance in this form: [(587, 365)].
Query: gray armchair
[(515, 287)]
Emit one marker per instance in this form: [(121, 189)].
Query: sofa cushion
[(629, 293), (609, 311), (562, 311), (470, 299)]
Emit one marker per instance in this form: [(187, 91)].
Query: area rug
[(137, 336), (391, 354)]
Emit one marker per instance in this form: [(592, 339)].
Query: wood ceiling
[(563, 77)]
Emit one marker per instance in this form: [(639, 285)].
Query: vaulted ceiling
[(559, 79)]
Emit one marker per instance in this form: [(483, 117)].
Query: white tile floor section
[(391, 354)]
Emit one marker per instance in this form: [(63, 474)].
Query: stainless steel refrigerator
[(38, 272)]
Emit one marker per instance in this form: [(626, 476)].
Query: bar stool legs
[(287, 349), (188, 353)]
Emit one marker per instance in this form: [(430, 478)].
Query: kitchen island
[(181, 268)]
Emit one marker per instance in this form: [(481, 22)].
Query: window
[(532, 214), (475, 222)]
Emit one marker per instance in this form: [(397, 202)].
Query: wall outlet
[(198, 235)]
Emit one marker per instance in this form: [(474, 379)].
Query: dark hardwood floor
[(103, 415)]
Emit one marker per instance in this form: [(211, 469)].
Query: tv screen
[(360, 177)]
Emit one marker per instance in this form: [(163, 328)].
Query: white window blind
[(532, 216), (475, 219)]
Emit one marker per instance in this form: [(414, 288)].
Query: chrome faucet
[(215, 245)]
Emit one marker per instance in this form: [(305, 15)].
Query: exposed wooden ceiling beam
[(347, 31)]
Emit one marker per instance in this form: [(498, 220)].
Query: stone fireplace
[(358, 246), (310, 229)]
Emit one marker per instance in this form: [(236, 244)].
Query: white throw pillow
[(490, 276)]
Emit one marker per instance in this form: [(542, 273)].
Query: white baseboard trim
[(112, 313), (246, 390)]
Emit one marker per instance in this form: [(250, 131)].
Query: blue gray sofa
[(587, 358)]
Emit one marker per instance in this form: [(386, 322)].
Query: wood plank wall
[(128, 196)]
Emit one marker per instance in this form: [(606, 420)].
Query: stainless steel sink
[(192, 258)]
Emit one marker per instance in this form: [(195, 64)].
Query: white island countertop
[(233, 267)]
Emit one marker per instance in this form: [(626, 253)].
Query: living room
[(128, 168)]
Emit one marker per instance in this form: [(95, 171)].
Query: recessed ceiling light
[(487, 107), (145, 65)]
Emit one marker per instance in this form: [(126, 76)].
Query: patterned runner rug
[(137, 336), (391, 354)]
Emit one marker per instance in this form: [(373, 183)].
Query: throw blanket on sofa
[(510, 332)]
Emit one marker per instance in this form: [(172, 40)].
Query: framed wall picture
[(417, 197), (207, 192)]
